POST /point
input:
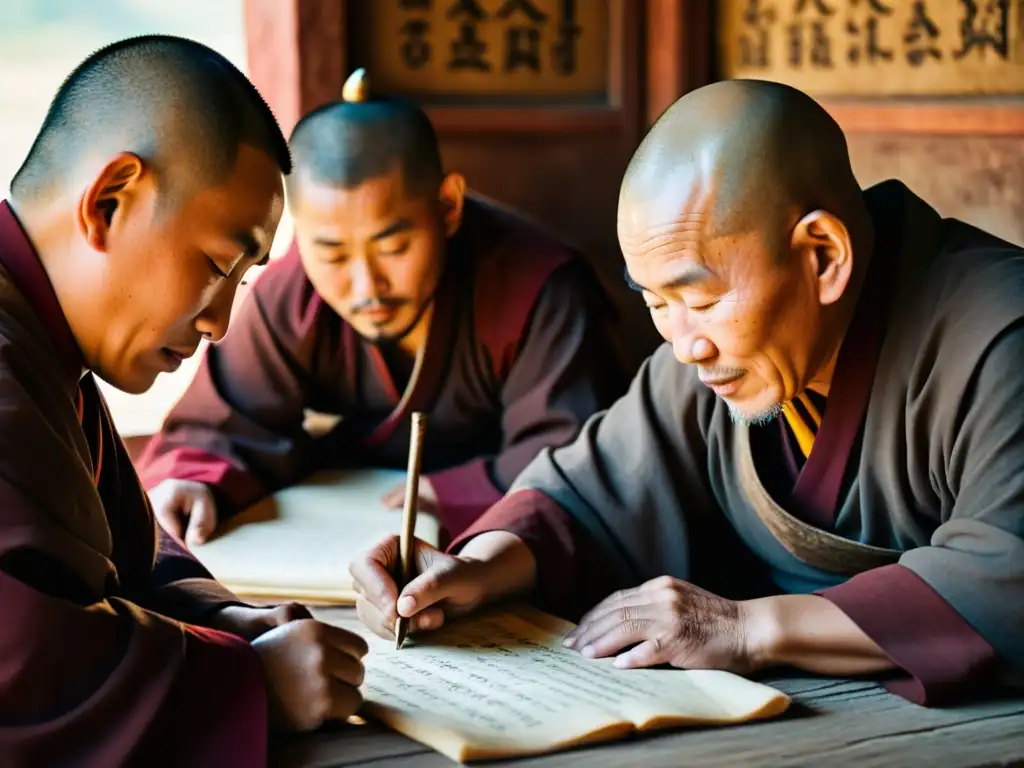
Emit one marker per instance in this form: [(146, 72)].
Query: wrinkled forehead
[(661, 215), (680, 234)]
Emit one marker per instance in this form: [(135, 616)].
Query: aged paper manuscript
[(502, 685)]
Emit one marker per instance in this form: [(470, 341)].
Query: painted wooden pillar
[(677, 53), (295, 53)]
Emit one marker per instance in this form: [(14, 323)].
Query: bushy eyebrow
[(402, 225)]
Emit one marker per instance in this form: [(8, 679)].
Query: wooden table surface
[(830, 723)]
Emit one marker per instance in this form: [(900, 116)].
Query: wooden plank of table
[(831, 722)]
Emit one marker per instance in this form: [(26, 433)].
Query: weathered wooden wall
[(979, 179)]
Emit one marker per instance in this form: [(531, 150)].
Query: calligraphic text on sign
[(876, 47), (461, 49)]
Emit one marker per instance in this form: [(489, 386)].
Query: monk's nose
[(691, 350), (689, 344), (213, 321), (365, 281)]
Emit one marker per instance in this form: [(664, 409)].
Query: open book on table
[(298, 543), (500, 684)]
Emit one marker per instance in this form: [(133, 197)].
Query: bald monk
[(152, 186), (402, 293), (822, 468)]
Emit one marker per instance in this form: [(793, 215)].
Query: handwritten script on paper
[(500, 685)]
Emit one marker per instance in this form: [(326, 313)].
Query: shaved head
[(153, 184), (373, 210), (344, 144), (744, 155), (743, 225), (180, 106)]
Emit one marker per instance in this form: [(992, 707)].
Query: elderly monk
[(402, 294), (824, 465), (152, 186)]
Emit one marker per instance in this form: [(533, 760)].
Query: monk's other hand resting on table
[(822, 467), (153, 185)]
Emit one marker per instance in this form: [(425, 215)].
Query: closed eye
[(394, 249), (703, 307), (215, 269)]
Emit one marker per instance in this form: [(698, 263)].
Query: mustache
[(717, 373), (372, 304)]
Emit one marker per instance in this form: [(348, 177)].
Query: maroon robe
[(98, 665), (516, 359), (908, 513)]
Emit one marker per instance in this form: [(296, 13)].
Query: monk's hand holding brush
[(406, 585)]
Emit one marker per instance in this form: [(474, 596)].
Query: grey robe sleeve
[(950, 613), (625, 500)]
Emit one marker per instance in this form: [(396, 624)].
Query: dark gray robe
[(924, 544)]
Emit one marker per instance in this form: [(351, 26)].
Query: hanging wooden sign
[(876, 47), (485, 51)]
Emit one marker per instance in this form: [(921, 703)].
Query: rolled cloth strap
[(812, 546)]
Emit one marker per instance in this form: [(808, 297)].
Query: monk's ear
[(452, 195), (107, 197), (823, 242)]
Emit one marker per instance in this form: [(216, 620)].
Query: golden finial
[(356, 87)]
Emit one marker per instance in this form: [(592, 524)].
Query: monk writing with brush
[(822, 467)]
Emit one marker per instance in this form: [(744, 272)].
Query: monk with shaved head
[(403, 292), (823, 467), (154, 183)]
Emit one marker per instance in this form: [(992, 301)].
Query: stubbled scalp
[(747, 155), (180, 106), (345, 143)]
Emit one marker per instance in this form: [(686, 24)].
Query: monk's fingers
[(612, 632), (649, 653), (372, 574), (345, 700), (658, 598), (426, 620), (286, 612), (395, 498), (380, 623), (342, 640), (171, 517), (202, 519), (623, 605), (343, 667), (615, 638), (441, 578)]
